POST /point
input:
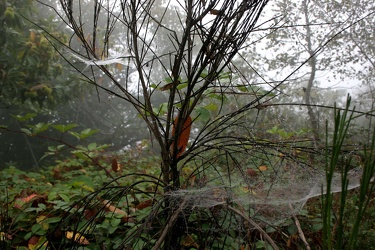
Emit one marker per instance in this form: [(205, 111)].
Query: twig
[(300, 232), (253, 223), (169, 226)]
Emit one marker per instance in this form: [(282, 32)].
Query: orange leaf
[(119, 66), (262, 168), (113, 209), (281, 155), (183, 137), (19, 202)]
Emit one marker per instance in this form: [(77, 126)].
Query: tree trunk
[(312, 62)]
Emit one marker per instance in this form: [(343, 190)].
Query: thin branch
[(254, 224)]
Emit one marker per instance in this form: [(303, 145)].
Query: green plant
[(334, 230)]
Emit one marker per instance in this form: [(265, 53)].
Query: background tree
[(35, 79), (304, 28), (31, 75)]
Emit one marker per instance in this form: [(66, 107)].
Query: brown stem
[(254, 224)]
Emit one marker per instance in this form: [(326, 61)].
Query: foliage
[(33, 77), (31, 69), (121, 203), (32, 210)]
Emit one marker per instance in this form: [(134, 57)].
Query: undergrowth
[(75, 204)]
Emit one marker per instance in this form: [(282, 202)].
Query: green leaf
[(26, 117), (221, 98), (115, 222), (52, 220), (65, 197), (168, 80), (317, 227), (260, 244), (84, 133), (273, 130), (46, 155), (211, 106), (182, 85), (40, 127), (64, 128), (162, 109), (35, 228), (80, 155), (204, 73), (225, 75), (203, 113), (27, 236), (52, 196), (242, 88), (26, 131), (87, 132), (92, 146), (75, 134)]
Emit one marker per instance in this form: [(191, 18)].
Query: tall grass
[(336, 235)]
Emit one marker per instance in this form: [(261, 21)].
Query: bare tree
[(210, 35), (191, 66)]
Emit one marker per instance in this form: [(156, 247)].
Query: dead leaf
[(32, 36), (215, 12), (144, 204), (281, 155), (183, 138), (78, 238), (166, 87), (113, 209), (116, 167), (119, 66), (33, 241), (262, 168), (251, 172), (188, 241)]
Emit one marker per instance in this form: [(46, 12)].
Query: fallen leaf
[(144, 204), (77, 237), (33, 241), (251, 172), (262, 168), (113, 209)]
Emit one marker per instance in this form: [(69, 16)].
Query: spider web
[(271, 199)]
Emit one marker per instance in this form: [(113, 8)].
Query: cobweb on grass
[(271, 198)]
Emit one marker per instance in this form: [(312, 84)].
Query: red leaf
[(144, 204), (183, 137)]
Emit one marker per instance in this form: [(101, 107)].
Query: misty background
[(36, 80)]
